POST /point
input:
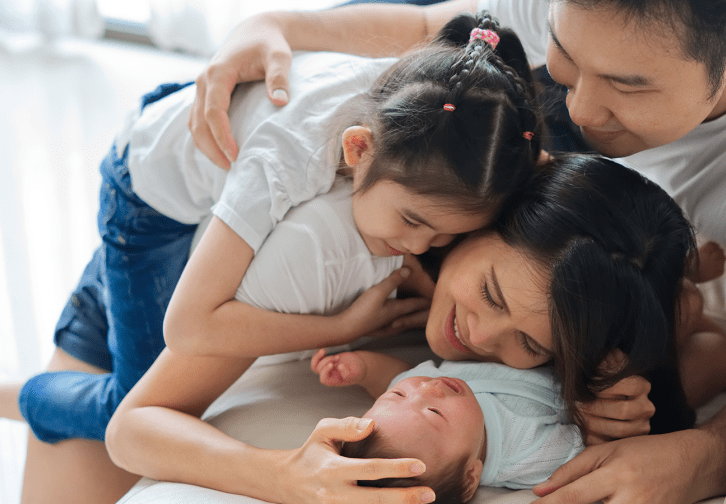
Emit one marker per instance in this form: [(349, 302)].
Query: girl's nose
[(418, 243)]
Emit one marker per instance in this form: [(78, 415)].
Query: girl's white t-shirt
[(284, 152)]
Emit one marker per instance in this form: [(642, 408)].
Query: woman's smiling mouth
[(451, 332)]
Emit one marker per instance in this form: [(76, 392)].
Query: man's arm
[(677, 468), (260, 48)]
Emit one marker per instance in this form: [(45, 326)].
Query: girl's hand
[(339, 370), (256, 49), (317, 474), (374, 314)]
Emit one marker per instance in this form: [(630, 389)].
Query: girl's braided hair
[(474, 155)]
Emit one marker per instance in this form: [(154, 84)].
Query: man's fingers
[(588, 489), (277, 77), (579, 468)]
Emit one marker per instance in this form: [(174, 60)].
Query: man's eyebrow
[(556, 41), (634, 80), (416, 217), (498, 290)]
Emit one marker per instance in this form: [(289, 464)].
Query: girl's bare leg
[(76, 471), (9, 400)]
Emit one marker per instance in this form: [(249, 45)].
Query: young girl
[(473, 423), (434, 149), (583, 265)]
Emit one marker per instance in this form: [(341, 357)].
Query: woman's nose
[(484, 334), (585, 106)]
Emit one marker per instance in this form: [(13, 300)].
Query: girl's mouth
[(393, 251)]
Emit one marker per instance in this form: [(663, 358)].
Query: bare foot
[(711, 259)]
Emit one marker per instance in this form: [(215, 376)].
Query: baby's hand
[(339, 370)]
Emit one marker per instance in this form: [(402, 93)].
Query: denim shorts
[(114, 317)]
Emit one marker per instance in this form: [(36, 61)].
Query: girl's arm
[(203, 317), (156, 432), (260, 48)]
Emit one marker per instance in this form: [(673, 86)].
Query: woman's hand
[(256, 49), (374, 314), (317, 474), (620, 411)]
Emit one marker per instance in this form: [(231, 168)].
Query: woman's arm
[(156, 432), (203, 317), (260, 48)]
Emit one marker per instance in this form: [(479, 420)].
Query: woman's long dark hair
[(615, 247)]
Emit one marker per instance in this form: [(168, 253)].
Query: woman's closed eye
[(530, 346), (487, 296)]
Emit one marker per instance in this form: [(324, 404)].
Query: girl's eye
[(436, 411), (397, 393), (409, 223), (487, 296), (524, 342)]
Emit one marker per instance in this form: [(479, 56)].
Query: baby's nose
[(432, 388)]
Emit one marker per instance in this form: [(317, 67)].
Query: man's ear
[(473, 475), (357, 144)]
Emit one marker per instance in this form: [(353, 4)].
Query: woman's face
[(490, 304), (630, 87)]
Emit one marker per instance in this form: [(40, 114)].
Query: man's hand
[(255, 50), (662, 469)]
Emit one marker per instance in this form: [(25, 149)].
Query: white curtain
[(52, 18)]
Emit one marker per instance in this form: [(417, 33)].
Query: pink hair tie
[(487, 36), (528, 135), (449, 107)]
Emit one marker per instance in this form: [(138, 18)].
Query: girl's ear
[(357, 144), (473, 475)]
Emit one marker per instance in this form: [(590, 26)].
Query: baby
[(471, 423)]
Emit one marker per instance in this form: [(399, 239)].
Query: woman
[(521, 294), (645, 80)]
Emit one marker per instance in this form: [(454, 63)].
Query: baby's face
[(436, 420)]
